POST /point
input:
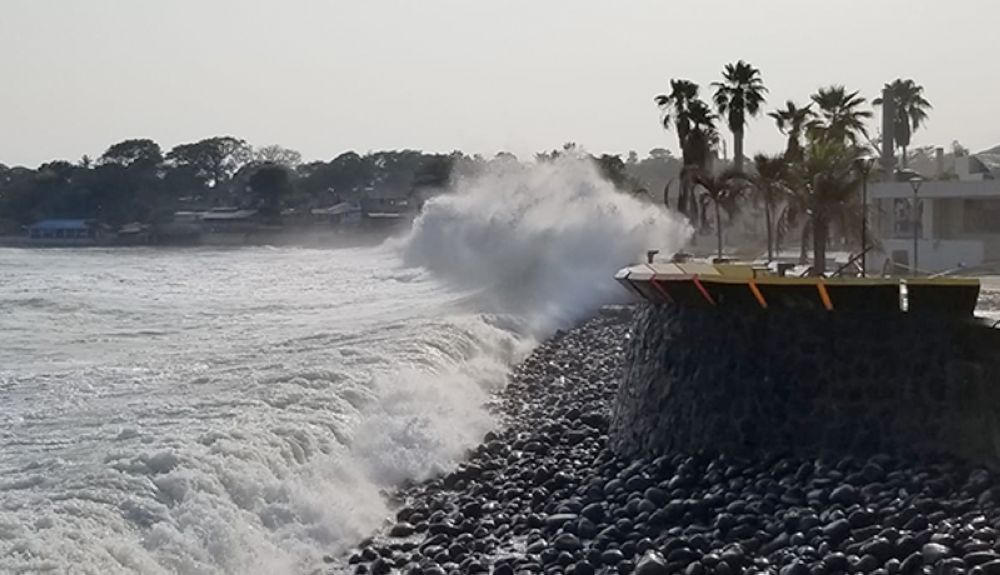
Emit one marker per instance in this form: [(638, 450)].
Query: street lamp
[(915, 184), (865, 164)]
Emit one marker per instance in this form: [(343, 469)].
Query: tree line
[(136, 181), (812, 187)]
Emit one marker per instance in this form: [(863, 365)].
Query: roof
[(216, 215), (341, 208), (59, 224), (937, 189)]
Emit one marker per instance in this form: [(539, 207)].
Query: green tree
[(675, 107), (723, 192), (792, 121), (911, 110), (839, 116), (277, 155), (271, 184), (739, 97), (214, 160), (824, 194), (770, 185), (694, 123), (139, 152)]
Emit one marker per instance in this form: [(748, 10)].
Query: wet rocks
[(545, 494)]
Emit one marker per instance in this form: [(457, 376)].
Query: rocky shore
[(545, 494)]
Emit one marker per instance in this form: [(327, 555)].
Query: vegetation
[(839, 116), (793, 121), (697, 136), (723, 191), (910, 109), (811, 189), (770, 183), (136, 181), (738, 98)]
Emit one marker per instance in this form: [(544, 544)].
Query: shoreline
[(544, 494)]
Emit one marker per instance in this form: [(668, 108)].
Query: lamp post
[(915, 184), (865, 164)]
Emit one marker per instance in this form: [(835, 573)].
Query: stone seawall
[(808, 383)]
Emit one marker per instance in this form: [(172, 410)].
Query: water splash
[(540, 242)]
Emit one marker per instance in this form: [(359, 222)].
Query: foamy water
[(206, 412)]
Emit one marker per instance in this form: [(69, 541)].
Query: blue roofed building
[(65, 229)]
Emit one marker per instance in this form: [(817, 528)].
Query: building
[(956, 221), (66, 231)]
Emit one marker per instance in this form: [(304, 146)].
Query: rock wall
[(808, 383)]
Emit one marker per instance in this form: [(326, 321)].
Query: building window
[(981, 216), (903, 220)]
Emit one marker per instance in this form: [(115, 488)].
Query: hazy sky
[(325, 76)]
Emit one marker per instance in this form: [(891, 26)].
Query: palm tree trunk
[(804, 246), (718, 226), (738, 150), (767, 223), (820, 232), (905, 159)]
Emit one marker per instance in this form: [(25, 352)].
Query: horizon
[(444, 75)]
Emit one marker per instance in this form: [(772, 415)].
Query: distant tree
[(675, 108), (347, 175), (958, 150), (660, 154), (824, 194), (739, 97), (723, 192), (434, 171), (694, 123), (839, 116), (271, 184), (277, 155), (911, 109), (60, 168), (770, 182), (140, 152), (214, 160), (793, 121)]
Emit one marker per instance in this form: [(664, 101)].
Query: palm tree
[(696, 133), (824, 191), (911, 110), (723, 191), (840, 118), (793, 121), (675, 107), (739, 98), (770, 182)]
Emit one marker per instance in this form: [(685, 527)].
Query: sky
[(327, 76)]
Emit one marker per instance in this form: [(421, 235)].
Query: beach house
[(939, 224)]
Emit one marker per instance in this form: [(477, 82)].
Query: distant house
[(956, 222), (64, 229), (386, 212), (234, 226), (343, 214), (224, 220)]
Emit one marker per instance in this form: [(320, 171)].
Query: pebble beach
[(544, 493)]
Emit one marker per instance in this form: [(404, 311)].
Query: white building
[(957, 221)]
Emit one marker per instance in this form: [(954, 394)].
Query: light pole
[(865, 164), (915, 184)]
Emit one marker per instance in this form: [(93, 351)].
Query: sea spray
[(540, 242), (243, 412)]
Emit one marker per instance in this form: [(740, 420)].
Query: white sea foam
[(540, 242), (208, 412)]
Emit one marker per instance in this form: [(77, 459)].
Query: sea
[(206, 411)]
